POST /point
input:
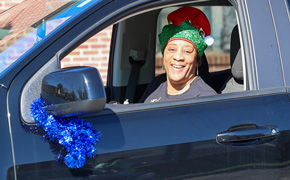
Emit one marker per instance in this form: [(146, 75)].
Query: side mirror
[(73, 91)]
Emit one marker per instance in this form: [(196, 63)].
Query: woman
[(182, 44)]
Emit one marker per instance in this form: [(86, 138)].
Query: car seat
[(235, 82)]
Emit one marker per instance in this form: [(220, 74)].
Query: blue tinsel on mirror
[(77, 136)]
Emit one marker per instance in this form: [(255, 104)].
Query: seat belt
[(137, 60)]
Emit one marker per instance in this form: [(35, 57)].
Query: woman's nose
[(178, 56)]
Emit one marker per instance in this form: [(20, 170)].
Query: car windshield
[(26, 24)]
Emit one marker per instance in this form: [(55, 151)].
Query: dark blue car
[(243, 132)]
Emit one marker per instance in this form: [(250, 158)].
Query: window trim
[(138, 107), (249, 61)]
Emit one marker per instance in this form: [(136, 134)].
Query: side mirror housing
[(73, 91)]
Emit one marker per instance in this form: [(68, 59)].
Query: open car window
[(109, 51), (139, 34)]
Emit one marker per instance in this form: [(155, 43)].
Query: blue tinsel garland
[(74, 134)]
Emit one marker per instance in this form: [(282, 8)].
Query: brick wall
[(218, 62), (94, 52)]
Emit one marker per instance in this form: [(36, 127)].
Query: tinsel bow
[(77, 136)]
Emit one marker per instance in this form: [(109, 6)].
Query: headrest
[(236, 56)]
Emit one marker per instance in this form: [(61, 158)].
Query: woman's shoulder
[(156, 85), (203, 88)]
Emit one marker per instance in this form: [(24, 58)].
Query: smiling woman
[(182, 44), (180, 62)]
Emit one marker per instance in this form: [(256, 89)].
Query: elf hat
[(189, 24)]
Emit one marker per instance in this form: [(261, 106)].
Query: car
[(240, 133)]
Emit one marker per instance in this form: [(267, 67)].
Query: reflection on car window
[(18, 33)]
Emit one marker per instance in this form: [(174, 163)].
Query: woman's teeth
[(177, 66)]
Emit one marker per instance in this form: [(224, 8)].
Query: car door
[(220, 137), (5, 139), (185, 133)]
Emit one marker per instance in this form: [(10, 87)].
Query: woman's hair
[(199, 60)]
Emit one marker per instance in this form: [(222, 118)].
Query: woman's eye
[(171, 49), (188, 51)]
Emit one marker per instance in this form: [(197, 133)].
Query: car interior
[(136, 37)]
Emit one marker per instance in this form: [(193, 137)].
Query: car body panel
[(6, 152), (128, 133)]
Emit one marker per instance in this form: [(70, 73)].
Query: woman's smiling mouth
[(177, 67)]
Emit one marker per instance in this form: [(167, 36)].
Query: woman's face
[(180, 61)]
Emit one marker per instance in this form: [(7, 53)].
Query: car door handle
[(246, 134)]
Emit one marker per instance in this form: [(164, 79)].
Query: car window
[(19, 32), (94, 52)]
